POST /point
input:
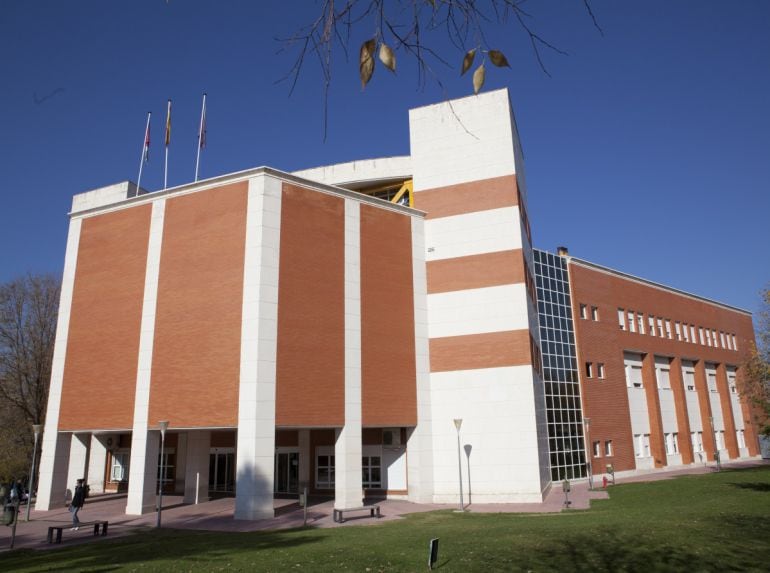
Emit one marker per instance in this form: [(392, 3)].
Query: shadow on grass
[(756, 486)]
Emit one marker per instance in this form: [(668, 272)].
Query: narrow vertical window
[(608, 448), (597, 447), (700, 333), (652, 325), (692, 334), (631, 321), (660, 327), (686, 333), (678, 330), (640, 321), (589, 370), (583, 311), (668, 329), (595, 313), (621, 319)]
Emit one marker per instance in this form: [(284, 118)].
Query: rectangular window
[(651, 321), (741, 438), (583, 310), (631, 321), (608, 448), (716, 338), (735, 343), (600, 370), (621, 319), (729, 344), (672, 447), (660, 326), (689, 380), (700, 332), (668, 329), (731, 383), (692, 334), (595, 313), (678, 330), (711, 378), (686, 333), (697, 441), (597, 447), (640, 320), (633, 376), (642, 445), (119, 467), (720, 439), (371, 469), (722, 339), (589, 370), (324, 472), (663, 374)]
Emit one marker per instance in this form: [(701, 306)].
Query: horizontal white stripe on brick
[(473, 233), (475, 311)]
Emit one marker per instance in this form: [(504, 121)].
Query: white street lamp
[(458, 424), (163, 427), (36, 428)]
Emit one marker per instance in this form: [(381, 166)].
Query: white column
[(348, 490), (303, 442), (419, 444), (259, 335), (97, 461), (142, 476), (54, 456), (78, 464), (196, 473)]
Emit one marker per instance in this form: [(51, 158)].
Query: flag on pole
[(202, 133), (147, 141), (168, 124)]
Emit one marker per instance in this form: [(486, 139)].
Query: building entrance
[(222, 470), (286, 472)]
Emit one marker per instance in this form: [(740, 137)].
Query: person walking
[(78, 499)]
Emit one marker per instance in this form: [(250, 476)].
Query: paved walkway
[(217, 515)]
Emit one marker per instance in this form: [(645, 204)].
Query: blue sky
[(647, 149)]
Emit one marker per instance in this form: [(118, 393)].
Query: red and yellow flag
[(168, 125)]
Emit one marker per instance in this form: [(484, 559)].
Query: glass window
[(686, 333), (640, 321), (119, 467), (371, 469), (583, 311), (652, 325), (589, 370), (597, 447), (600, 370), (621, 319), (678, 330), (324, 472), (631, 321), (660, 327), (668, 329), (594, 313), (664, 378), (608, 448)]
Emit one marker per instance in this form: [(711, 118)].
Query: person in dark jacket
[(78, 499)]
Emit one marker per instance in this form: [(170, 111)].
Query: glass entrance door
[(222, 471), (286, 472)]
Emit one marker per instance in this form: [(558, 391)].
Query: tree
[(755, 382), (28, 312), (409, 27)]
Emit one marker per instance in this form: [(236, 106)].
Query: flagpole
[(200, 136), (142, 158), (168, 141)]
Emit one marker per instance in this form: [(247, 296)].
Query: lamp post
[(458, 423), (36, 429), (589, 452), (163, 427)]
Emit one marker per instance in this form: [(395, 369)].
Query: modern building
[(366, 329)]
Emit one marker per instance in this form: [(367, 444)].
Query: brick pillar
[(731, 440), (705, 409), (682, 419), (657, 444)]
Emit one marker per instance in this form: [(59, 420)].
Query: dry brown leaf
[(468, 61), (366, 61), (387, 57), (478, 78), (498, 59)]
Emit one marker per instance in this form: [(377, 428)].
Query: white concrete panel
[(474, 311), (394, 467), (97, 463), (357, 172), (196, 470), (143, 472), (737, 412), (637, 405), (693, 412), (498, 409), (668, 410), (140, 495), (468, 139), (348, 488), (259, 332), (52, 479), (716, 411), (475, 233), (104, 196), (419, 439), (78, 466)]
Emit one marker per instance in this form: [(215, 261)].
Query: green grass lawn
[(716, 522)]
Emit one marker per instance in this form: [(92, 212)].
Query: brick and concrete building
[(328, 327)]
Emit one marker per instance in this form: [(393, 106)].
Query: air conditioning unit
[(391, 436)]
